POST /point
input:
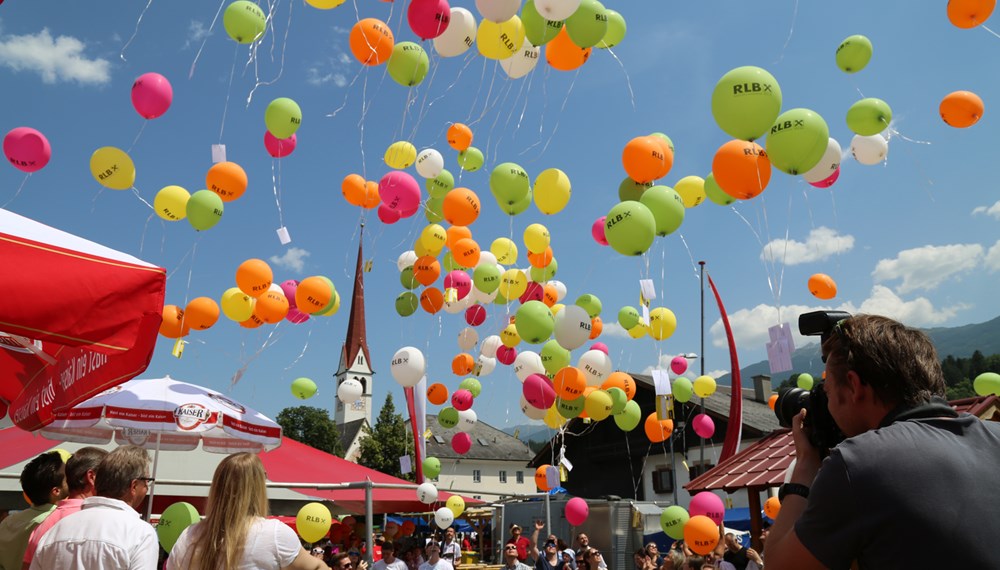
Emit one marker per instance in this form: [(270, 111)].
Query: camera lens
[(790, 402)]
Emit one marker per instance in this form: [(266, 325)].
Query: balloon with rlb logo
[(204, 210), (173, 521), (27, 149), (745, 102), (456, 504), (112, 168), (313, 522), (244, 21), (672, 521), (432, 467), (630, 228), (459, 36), (427, 493), (408, 64), (799, 138)]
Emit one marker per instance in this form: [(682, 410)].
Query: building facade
[(355, 364)]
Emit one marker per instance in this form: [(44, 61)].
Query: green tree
[(961, 390), (952, 371), (311, 426), (383, 444), (536, 445)]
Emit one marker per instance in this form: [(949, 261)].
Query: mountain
[(528, 432), (959, 342)]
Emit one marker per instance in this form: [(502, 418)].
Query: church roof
[(349, 432), (356, 335)]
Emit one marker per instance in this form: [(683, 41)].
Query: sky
[(915, 237)]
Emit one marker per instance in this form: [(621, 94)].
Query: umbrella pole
[(152, 486), (369, 522)]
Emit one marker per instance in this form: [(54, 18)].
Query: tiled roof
[(756, 415), (487, 443), (348, 432), (356, 334)]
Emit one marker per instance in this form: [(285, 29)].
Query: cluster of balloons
[(698, 525), (257, 299), (513, 191), (27, 149), (199, 314), (372, 43), (224, 182), (662, 323)]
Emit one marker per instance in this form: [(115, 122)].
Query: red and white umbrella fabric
[(76, 318), (169, 414)]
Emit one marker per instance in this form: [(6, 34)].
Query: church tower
[(355, 362)]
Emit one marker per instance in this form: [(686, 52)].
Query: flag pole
[(701, 273)]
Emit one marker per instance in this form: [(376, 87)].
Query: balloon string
[(305, 347), (179, 263), (475, 100), (770, 262), (694, 266), (365, 106), (18, 193), (137, 135), (276, 185), (496, 118), (990, 31), (145, 228), (134, 33), (225, 109), (894, 132), (542, 115), (204, 41), (770, 284), (486, 100), (468, 61), (141, 199), (187, 290), (791, 30), (281, 66), (246, 364), (347, 93), (559, 116), (628, 81)]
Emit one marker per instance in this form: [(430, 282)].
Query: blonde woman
[(235, 534)]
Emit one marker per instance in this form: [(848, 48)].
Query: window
[(503, 476), (698, 469), (476, 476), (439, 439), (520, 477), (663, 480), (483, 442)]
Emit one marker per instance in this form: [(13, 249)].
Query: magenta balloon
[(538, 391), (461, 400), (597, 230), (599, 346), (678, 365), (707, 504), (288, 288), (703, 426), (295, 315), (399, 191), (152, 95), (534, 292), (460, 281), (475, 315), (279, 148), (506, 354), (387, 214), (828, 181), (461, 442), (27, 149), (577, 511), (428, 18)]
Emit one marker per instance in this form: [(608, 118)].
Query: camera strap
[(936, 408)]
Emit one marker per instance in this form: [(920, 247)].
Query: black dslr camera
[(822, 429)]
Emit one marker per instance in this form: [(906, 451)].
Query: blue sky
[(914, 238)]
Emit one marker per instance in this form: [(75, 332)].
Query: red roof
[(356, 333)]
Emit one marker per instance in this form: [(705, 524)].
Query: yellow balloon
[(171, 203), (433, 237), (536, 237), (553, 419), (236, 305), (513, 284), (313, 521), (505, 250), (691, 190), (662, 323), (325, 4), (400, 155), (333, 308), (420, 248), (704, 386), (112, 168), (638, 331), (556, 308), (552, 191), (456, 504), (500, 41), (598, 405), (65, 455), (509, 336)]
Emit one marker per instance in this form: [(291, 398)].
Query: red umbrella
[(79, 318)]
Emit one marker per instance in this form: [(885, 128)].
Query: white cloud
[(992, 211), (919, 312), (992, 259), (54, 59), (334, 70), (197, 32), (294, 259), (929, 266), (614, 329), (750, 325), (820, 245)]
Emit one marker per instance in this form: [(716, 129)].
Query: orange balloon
[(359, 192), (643, 158), (459, 136), (432, 299), (437, 393), (668, 156), (967, 14), (227, 179), (961, 109), (540, 479), (466, 252), (569, 383), (253, 322), (372, 199), (701, 534), (541, 260), (271, 307), (426, 270), (456, 233), (586, 392), (741, 169), (254, 277), (550, 295), (371, 41), (822, 286), (463, 364), (621, 380), (658, 430), (771, 507), (460, 207), (772, 401), (563, 54), (173, 325), (201, 313), (596, 327), (313, 294)]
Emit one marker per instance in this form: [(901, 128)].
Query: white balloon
[(406, 259), (443, 517), (560, 289), (484, 298), (458, 36), (455, 307), (427, 493), (467, 338), (531, 411), (490, 346), (485, 365), (595, 366), (276, 287), (556, 10), (487, 258), (869, 150), (408, 366), (467, 420), (526, 364), (826, 165), (498, 11), (429, 163), (572, 327), (522, 62), (349, 391)]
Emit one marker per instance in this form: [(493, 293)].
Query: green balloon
[(588, 24), (628, 317), (518, 207), (869, 117), (797, 141), (303, 388), (472, 385), (543, 274), (615, 33), (471, 159), (630, 416), (408, 64), (486, 277), (509, 183), (433, 210), (407, 280), (630, 228), (173, 521), (204, 210), (805, 381), (500, 299), (672, 521), (631, 190), (537, 29), (554, 356), (440, 185), (670, 143), (682, 389), (448, 262), (854, 53), (745, 102), (715, 193), (667, 208), (570, 409), (590, 303), (407, 303), (448, 417), (432, 467), (534, 322), (244, 22), (282, 117), (618, 400), (987, 383)]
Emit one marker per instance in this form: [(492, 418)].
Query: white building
[(355, 364)]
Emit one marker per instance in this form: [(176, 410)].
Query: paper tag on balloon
[(665, 407), (661, 382), (552, 476), (645, 314), (404, 465), (647, 289), (283, 236), (178, 349), (218, 153), (450, 295), (565, 464)]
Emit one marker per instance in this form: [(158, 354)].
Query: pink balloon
[(475, 315), (288, 288), (599, 346), (152, 95), (460, 281), (534, 292), (461, 442), (387, 214), (707, 504), (703, 426), (506, 354), (399, 191), (538, 391), (461, 400), (597, 230), (678, 365), (295, 315), (27, 149), (828, 181), (428, 18), (577, 511), (279, 148)]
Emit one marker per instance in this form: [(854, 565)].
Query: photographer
[(908, 464)]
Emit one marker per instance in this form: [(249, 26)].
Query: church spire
[(356, 340)]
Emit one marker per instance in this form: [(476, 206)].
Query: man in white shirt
[(434, 560), (107, 534), (389, 560), (451, 550)]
